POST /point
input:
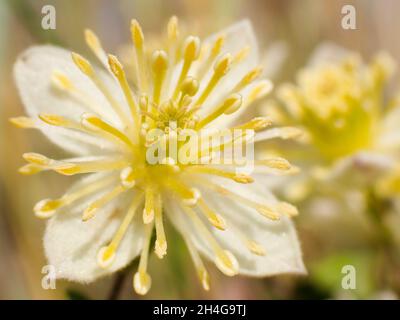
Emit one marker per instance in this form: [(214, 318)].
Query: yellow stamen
[(106, 254), (275, 163), (229, 106), (138, 42), (141, 279), (119, 73), (37, 158), (256, 124), (85, 66), (23, 122), (30, 169), (99, 203), (287, 209), (95, 45), (59, 121), (224, 260), (161, 242), (92, 122), (149, 206), (241, 55), (202, 273), (260, 90), (221, 67), (237, 177), (47, 208), (70, 168), (191, 50), (128, 177), (61, 81), (215, 219), (248, 78), (159, 66)]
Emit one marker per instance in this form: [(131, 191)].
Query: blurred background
[(300, 26)]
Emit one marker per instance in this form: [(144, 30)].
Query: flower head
[(340, 102), (113, 124)]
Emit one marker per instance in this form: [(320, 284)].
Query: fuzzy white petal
[(278, 238), (389, 138), (33, 72), (72, 245), (328, 52)]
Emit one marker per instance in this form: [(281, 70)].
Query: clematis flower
[(107, 218), (340, 103)]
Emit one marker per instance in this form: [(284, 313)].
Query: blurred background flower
[(290, 28)]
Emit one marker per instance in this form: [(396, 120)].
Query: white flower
[(97, 226)]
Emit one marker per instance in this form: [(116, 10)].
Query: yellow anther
[(232, 103), (106, 256), (241, 55), (194, 197), (46, 208), (287, 209), (61, 80), (116, 67), (222, 65), (141, 282), (95, 45), (54, 120), (243, 178), (227, 263), (255, 247), (118, 70), (128, 177), (70, 169), (83, 64), (149, 206), (144, 102), (275, 163), (260, 90), (141, 279), (23, 122), (36, 158), (92, 122), (30, 169), (189, 86), (191, 48), (161, 242), (99, 203), (173, 29), (256, 124), (137, 34), (248, 78), (229, 106), (268, 212), (204, 278), (159, 68), (159, 61), (216, 220), (290, 132), (217, 46)]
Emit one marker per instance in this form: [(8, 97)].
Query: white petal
[(33, 70), (278, 238), (328, 52), (71, 245), (274, 58), (389, 138)]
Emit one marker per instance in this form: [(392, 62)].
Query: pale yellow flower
[(106, 219)]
